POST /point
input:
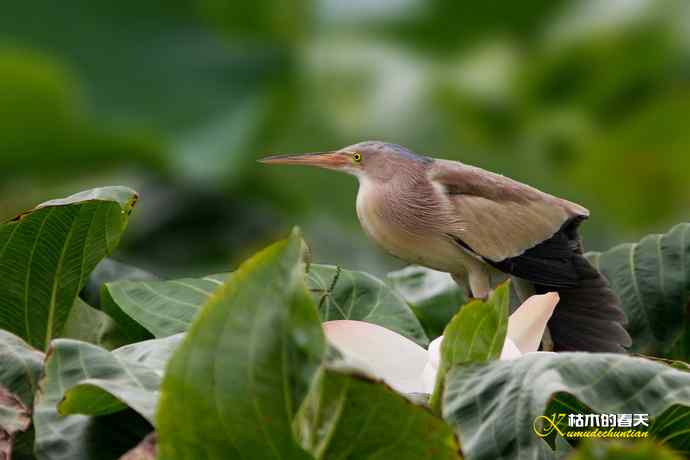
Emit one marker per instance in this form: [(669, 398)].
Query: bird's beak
[(329, 160)]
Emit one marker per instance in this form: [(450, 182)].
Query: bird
[(478, 225)]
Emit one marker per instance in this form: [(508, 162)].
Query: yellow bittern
[(472, 223)]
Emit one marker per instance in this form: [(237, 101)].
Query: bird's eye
[(357, 157)]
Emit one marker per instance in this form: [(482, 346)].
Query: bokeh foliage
[(586, 99)]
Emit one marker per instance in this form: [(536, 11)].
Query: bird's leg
[(476, 284), (480, 284)]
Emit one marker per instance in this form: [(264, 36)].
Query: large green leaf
[(433, 296), (169, 307), (505, 397), (350, 416), (670, 428), (245, 365), (347, 294), (652, 278), (82, 378), (563, 403), (476, 334), (161, 307), (46, 255), (129, 376)]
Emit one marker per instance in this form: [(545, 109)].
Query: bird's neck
[(394, 201)]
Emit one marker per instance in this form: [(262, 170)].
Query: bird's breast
[(373, 213), (411, 232)]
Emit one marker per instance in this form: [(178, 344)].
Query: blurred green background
[(589, 100)]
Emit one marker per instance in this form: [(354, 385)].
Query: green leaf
[(433, 296), (680, 365), (169, 307), (129, 376), (617, 450), (108, 271), (47, 254), (672, 429), (130, 330), (505, 397), (163, 308), (476, 334), (669, 428), (245, 364), (87, 324), (563, 403), (347, 294), (81, 437), (350, 416), (82, 378), (153, 354), (652, 278), (84, 323)]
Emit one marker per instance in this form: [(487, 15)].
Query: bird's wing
[(533, 236), (499, 218)]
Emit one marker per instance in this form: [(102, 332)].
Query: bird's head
[(371, 160)]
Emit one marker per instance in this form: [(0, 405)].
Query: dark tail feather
[(588, 316)]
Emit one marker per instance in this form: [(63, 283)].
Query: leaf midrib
[(28, 275), (53, 294)]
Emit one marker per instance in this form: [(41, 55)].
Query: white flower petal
[(526, 325), (431, 369), (510, 350), (387, 355), (407, 367), (435, 352), (429, 378)]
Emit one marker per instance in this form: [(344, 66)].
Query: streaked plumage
[(474, 224)]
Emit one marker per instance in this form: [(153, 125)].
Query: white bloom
[(409, 368)]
